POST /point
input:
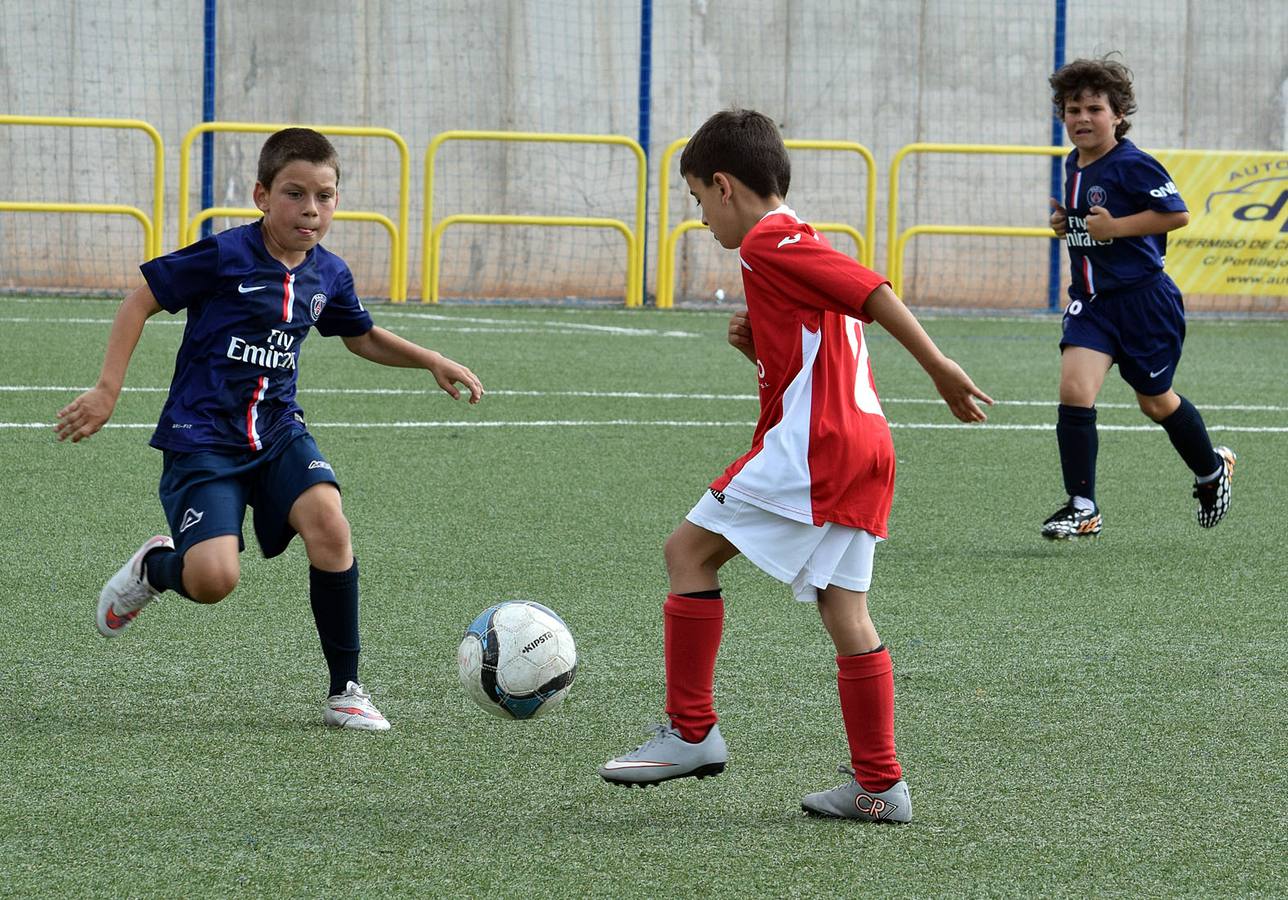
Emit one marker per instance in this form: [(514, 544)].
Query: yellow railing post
[(429, 246), (250, 212), (895, 241), (666, 237), (562, 221), (398, 284), (152, 228)]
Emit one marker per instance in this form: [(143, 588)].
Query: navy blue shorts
[(205, 494), (1141, 328)]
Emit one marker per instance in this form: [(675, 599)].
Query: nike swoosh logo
[(1159, 372), (242, 289), (355, 711), (790, 239), (634, 764)]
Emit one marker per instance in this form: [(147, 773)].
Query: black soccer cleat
[(1068, 523), (1214, 495)]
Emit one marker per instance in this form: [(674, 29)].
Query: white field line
[(493, 326), (672, 423), (616, 395)]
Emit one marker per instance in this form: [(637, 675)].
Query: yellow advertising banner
[(1237, 239)]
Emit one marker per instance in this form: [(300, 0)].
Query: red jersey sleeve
[(793, 259)]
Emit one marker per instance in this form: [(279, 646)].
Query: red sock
[(691, 630), (866, 686)]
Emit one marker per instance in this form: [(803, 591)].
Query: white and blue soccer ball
[(517, 659)]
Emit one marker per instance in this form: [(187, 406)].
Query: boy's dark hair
[(290, 144), (1099, 76), (745, 144)]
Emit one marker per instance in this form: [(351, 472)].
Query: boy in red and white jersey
[(809, 501)]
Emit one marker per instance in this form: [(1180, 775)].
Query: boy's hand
[(449, 373), (959, 392), (1100, 224), (740, 336), (1059, 218), (85, 415)]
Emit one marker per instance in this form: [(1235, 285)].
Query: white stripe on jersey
[(288, 296), (252, 414), (777, 478)]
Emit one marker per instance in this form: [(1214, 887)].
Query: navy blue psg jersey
[(1125, 181), (234, 380)]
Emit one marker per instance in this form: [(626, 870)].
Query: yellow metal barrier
[(666, 236), (250, 212), (398, 283), (896, 241), (149, 233), (433, 234), (152, 226), (565, 221)]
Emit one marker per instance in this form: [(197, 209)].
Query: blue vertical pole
[(1057, 138), (645, 111), (208, 115)]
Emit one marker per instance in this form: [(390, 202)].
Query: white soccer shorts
[(796, 553)]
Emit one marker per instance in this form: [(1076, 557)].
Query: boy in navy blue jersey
[(1123, 308), (231, 432)]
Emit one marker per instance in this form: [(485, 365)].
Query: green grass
[(1098, 719)]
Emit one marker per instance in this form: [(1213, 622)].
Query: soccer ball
[(517, 659)]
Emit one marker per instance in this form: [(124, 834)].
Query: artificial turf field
[(1108, 718)]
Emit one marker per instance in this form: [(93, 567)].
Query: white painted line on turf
[(577, 326), (676, 423), (627, 395), (494, 326)]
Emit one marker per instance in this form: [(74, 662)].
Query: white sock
[(1213, 477), (1082, 504)]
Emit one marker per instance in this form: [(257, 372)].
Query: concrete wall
[(1208, 74)]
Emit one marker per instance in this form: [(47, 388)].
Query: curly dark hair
[(1099, 76), (743, 143)]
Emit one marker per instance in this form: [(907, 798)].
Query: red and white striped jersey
[(821, 451)]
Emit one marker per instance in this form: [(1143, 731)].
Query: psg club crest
[(315, 305), (1095, 196)]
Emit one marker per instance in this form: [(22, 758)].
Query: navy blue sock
[(163, 568), (1075, 432), (334, 598), (1189, 436)]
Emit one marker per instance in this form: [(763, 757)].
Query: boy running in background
[(808, 503), (231, 431), (1123, 308)]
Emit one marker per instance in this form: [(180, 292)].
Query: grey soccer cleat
[(851, 801), (128, 591), (1214, 495), (666, 755)]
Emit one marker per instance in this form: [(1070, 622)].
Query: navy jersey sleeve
[(1158, 191), (185, 277), (343, 314)]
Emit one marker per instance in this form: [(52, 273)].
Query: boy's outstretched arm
[(90, 411), (953, 384), (382, 346)]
